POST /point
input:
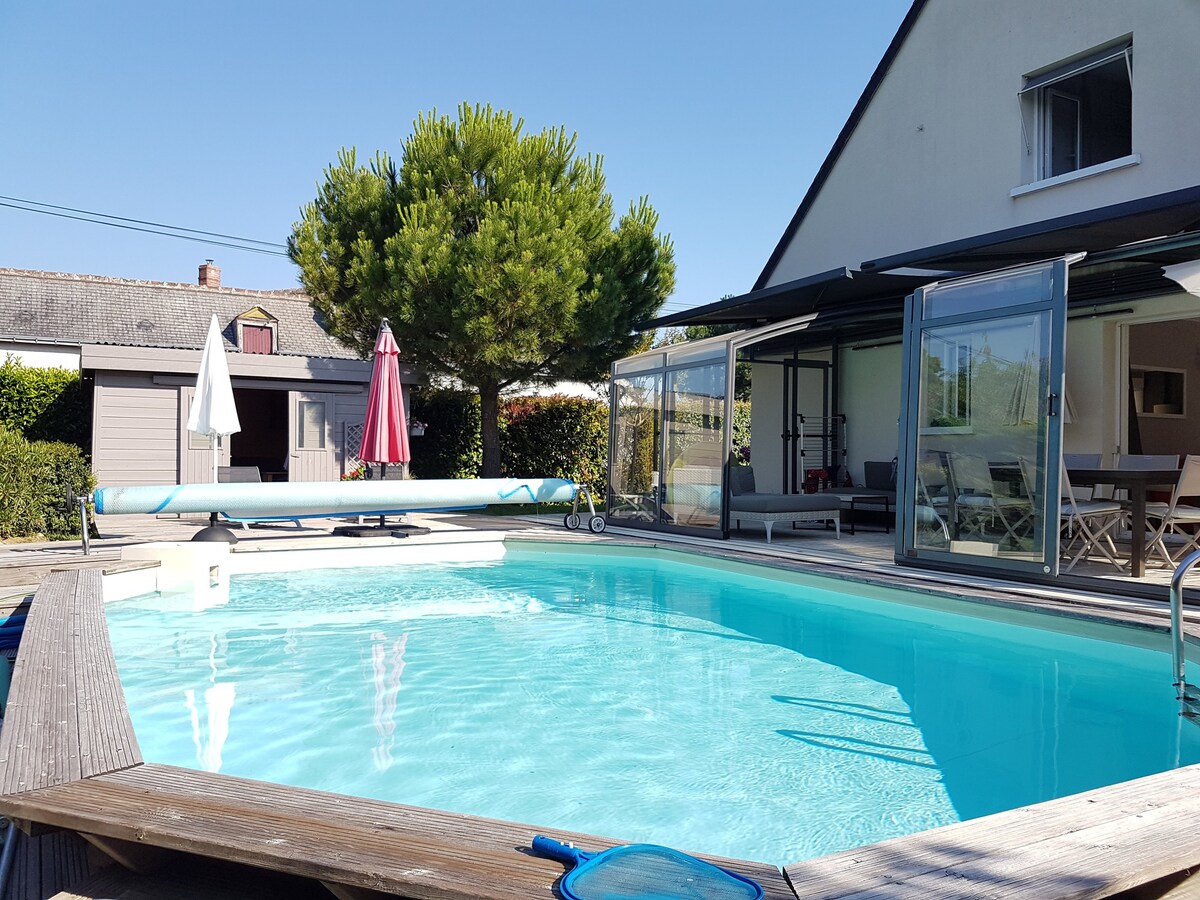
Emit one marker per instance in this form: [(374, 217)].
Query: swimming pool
[(725, 709)]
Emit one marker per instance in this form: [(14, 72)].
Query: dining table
[(1137, 482)]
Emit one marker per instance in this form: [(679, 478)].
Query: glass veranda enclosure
[(671, 431), (977, 377)]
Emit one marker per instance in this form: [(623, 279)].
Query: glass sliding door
[(694, 445), (636, 445), (981, 425)]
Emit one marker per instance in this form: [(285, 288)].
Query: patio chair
[(979, 505), (1086, 524), (1084, 461), (746, 503), (1140, 461), (1173, 514)]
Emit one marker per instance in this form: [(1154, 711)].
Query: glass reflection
[(981, 437)]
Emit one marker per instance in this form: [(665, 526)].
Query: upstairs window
[(257, 331), (256, 339), (1082, 111)]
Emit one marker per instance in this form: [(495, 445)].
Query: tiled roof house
[(300, 393)]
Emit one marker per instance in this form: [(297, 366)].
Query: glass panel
[(1062, 129), (697, 352), (310, 425), (640, 363), (1004, 289), (634, 460), (981, 437), (695, 422)]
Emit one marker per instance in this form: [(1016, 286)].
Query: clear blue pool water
[(643, 699)]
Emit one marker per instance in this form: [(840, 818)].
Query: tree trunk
[(489, 429)]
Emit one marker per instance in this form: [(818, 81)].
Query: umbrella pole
[(382, 476)]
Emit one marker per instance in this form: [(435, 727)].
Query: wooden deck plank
[(107, 739), (66, 713), (347, 840), (1093, 844)]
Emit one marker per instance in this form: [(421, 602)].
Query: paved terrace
[(69, 766)]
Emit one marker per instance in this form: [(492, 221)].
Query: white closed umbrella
[(213, 411)]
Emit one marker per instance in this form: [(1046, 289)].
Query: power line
[(50, 211)]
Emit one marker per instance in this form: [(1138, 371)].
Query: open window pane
[(1087, 118)]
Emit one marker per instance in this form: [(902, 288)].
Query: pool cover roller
[(290, 500), (644, 871)]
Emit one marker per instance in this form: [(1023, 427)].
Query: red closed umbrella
[(385, 427)]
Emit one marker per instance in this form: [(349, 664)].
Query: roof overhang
[(835, 288), (1107, 227), (1128, 246)]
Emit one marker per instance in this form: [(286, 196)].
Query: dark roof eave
[(1161, 214), (730, 304)]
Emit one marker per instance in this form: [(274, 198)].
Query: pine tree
[(492, 252)]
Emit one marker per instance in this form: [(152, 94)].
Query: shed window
[(256, 338), (310, 431), (1083, 110)]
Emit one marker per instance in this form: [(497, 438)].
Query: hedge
[(556, 437), (551, 437), (451, 446), (45, 404), (34, 477)]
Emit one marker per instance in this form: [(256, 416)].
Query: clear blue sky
[(221, 116)]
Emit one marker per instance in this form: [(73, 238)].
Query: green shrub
[(451, 446), (45, 404), (34, 477), (540, 437), (556, 437)]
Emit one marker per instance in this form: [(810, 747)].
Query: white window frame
[(1036, 115)]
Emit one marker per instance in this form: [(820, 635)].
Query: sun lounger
[(746, 503)]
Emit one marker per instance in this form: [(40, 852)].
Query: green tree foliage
[(44, 404), (493, 253)]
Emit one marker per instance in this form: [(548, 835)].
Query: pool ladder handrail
[(1187, 694)]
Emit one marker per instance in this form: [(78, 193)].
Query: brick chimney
[(210, 275)]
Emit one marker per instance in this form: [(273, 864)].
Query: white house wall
[(870, 392), (41, 356), (940, 146)]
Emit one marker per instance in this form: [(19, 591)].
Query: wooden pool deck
[(70, 766)]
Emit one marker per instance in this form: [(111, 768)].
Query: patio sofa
[(746, 503)]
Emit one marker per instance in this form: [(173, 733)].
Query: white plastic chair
[(1173, 514), (1087, 525)]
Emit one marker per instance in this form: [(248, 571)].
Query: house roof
[(843, 138), (62, 308)]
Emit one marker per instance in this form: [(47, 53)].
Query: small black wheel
[(571, 521), (596, 524)]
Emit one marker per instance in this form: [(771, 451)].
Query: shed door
[(195, 454), (982, 434), (312, 455)]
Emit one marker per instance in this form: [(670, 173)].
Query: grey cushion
[(879, 476), (776, 503), (741, 480)]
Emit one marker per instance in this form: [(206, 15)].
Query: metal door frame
[(914, 326)]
